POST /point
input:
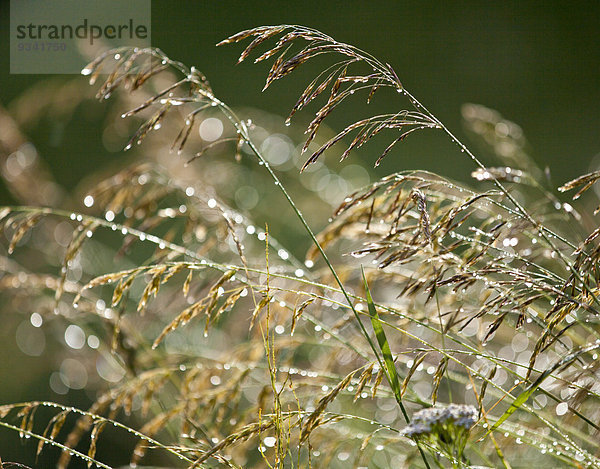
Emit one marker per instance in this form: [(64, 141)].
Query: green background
[(538, 63)]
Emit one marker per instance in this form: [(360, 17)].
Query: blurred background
[(537, 63)]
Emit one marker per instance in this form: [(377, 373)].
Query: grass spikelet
[(150, 429), (484, 385), (437, 378), (183, 318), (206, 305), (314, 419), (421, 204), (244, 433), (53, 429), (587, 180), (363, 380), (27, 415), (22, 228), (258, 308), (96, 430), (417, 361), (186, 285), (377, 382), (298, 313), (259, 39), (152, 286), (84, 231), (122, 287), (229, 303)]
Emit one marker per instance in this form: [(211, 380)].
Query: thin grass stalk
[(522, 211), (96, 418)]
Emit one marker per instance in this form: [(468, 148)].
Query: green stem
[(541, 229), (243, 131)]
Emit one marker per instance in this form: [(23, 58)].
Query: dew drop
[(358, 255), (562, 408)]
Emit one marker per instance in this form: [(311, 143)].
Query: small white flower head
[(457, 414), (443, 428), (415, 429)]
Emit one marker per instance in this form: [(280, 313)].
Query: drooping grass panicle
[(481, 299), (342, 85)]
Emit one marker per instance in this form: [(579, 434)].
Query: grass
[(431, 324)]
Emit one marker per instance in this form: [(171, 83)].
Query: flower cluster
[(445, 429), (427, 420)]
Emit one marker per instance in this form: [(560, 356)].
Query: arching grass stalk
[(391, 372), (96, 418), (521, 210), (200, 92)]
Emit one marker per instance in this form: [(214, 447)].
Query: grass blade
[(384, 346), (388, 359), (525, 395)]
